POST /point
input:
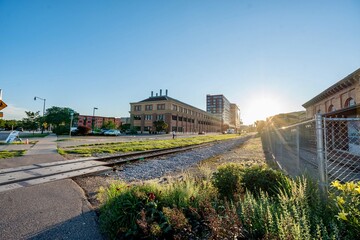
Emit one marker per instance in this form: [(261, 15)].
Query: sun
[(261, 107)]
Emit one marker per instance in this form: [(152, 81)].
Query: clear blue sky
[(266, 56)]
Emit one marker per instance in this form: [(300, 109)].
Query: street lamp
[(44, 103), (42, 127), (71, 120), (93, 118)]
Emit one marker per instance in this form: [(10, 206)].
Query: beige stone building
[(341, 99), (179, 116)]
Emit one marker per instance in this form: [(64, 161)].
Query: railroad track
[(12, 178)]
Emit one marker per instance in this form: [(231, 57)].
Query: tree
[(108, 125), (125, 127), (60, 119), (160, 126), (32, 122), (59, 116)]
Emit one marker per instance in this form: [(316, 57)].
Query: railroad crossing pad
[(24, 176)]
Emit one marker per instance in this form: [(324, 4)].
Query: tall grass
[(191, 208), (143, 145)]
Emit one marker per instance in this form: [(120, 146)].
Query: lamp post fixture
[(93, 118), (44, 103), (71, 120), (42, 127)]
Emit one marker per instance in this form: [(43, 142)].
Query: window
[(174, 117), (331, 108), (137, 108), (161, 107), (137, 117), (148, 117), (349, 102), (180, 119), (148, 107), (174, 107), (161, 117), (180, 109)]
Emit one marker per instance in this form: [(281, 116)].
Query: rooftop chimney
[(160, 92), (152, 93), (166, 92)]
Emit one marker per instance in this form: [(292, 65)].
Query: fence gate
[(342, 149)]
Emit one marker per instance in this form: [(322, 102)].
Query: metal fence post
[(320, 153), (298, 148)]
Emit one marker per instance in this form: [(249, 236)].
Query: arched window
[(349, 102), (331, 108)]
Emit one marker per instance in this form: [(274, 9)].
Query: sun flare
[(261, 107)]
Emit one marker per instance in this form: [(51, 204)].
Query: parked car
[(112, 132), (20, 129)]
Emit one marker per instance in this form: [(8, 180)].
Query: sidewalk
[(45, 150), (55, 210)]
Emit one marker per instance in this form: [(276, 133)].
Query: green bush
[(260, 178), (61, 130), (227, 180)]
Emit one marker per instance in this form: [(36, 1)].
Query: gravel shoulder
[(246, 151)]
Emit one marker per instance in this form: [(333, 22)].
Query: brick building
[(235, 121), (339, 99), (86, 120), (179, 116)]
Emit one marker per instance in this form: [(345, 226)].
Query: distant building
[(179, 116), (235, 120), (125, 120), (229, 113), (339, 99), (286, 119), (87, 120)]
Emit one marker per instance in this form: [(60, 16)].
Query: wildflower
[(336, 184), (151, 196), (350, 186), (340, 200), (342, 215), (357, 190)]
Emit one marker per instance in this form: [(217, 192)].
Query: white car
[(112, 132)]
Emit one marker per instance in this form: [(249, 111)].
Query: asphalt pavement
[(55, 210)]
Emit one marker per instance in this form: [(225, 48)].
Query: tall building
[(179, 116), (220, 107), (235, 120)]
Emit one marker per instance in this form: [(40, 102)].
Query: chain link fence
[(324, 149)]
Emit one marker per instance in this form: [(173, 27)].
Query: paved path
[(46, 145), (55, 210)]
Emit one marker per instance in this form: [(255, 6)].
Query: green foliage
[(160, 126), (32, 122), (11, 154), (143, 145), (261, 178), (108, 125), (125, 127), (227, 180), (60, 116), (61, 130), (347, 199)]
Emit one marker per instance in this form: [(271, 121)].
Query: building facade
[(338, 100), (229, 113), (235, 120), (98, 121), (219, 106), (179, 116)]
